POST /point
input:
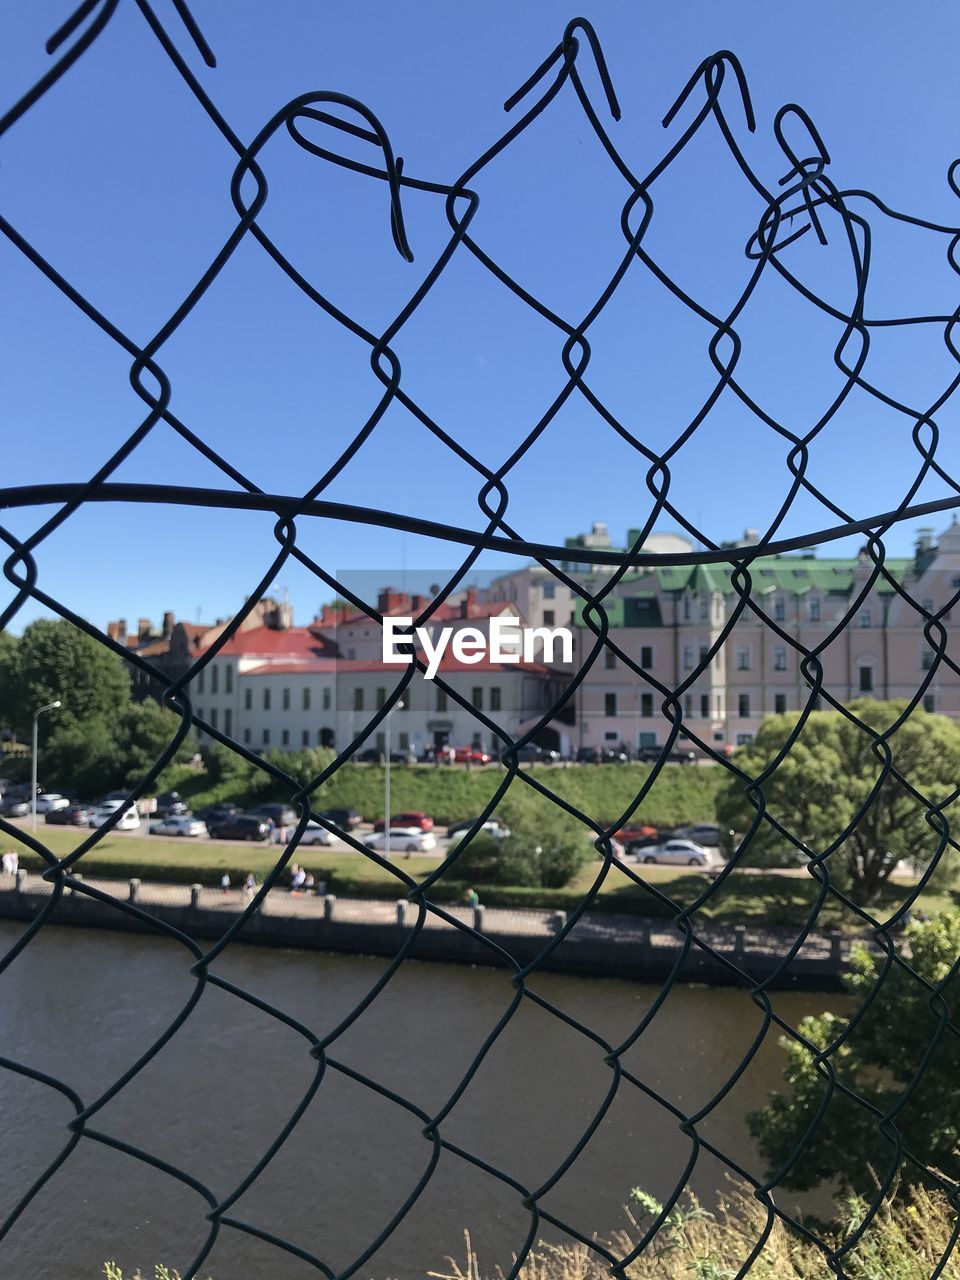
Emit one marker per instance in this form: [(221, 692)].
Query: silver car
[(179, 826), (680, 853)]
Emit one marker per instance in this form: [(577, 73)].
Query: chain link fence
[(806, 203)]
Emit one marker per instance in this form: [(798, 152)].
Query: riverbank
[(602, 944)]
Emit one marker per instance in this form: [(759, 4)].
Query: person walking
[(225, 883), (250, 885), (473, 898)]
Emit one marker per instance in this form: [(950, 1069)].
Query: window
[(646, 704), (266, 699), (704, 652), (955, 583), (326, 698), (929, 702), (686, 608), (688, 704), (609, 659), (404, 742), (305, 737), (779, 703), (705, 706), (743, 657), (228, 721), (704, 609), (441, 700), (609, 704), (248, 699), (306, 697), (495, 699), (926, 659), (285, 737), (266, 737), (213, 717), (779, 609), (200, 678), (646, 655), (864, 619), (549, 617), (779, 657), (549, 590), (381, 698), (866, 679), (688, 658), (246, 737), (358, 699), (200, 712), (286, 699), (814, 608), (476, 697), (743, 706), (744, 739), (228, 679), (214, 679)]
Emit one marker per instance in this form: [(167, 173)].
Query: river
[(82, 1006)]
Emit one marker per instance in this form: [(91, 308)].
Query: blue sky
[(121, 181)]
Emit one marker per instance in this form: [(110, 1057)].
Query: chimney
[(143, 629), (469, 603), (416, 604), (168, 624), (924, 541), (122, 631), (390, 600), (113, 630)]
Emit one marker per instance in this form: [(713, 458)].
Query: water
[(84, 1005)]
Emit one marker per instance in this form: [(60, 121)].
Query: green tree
[(546, 848), (879, 1062), (143, 732), (828, 775), (53, 659)]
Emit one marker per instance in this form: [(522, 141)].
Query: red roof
[(295, 642)]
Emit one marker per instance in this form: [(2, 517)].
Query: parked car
[(679, 755), (315, 834), (413, 818), (613, 755), (51, 800), (74, 815), (708, 833), (241, 826), (530, 753), (15, 807), (170, 803), (179, 825), (638, 835), (345, 819), (403, 840), (129, 819), (588, 755), (493, 826), (281, 815), (681, 853), (215, 813)]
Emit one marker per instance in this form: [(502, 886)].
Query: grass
[(755, 899), (907, 1239)]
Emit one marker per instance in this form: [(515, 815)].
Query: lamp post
[(386, 779), (51, 706)]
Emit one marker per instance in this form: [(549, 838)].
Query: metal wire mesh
[(806, 193)]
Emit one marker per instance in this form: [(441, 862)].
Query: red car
[(414, 818), (471, 755), (637, 833)]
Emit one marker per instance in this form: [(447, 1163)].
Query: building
[(670, 621)]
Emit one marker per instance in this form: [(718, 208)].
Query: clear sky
[(122, 182)]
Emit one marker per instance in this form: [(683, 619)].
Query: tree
[(545, 849), (51, 660), (879, 1062), (829, 774)]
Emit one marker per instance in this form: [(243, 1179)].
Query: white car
[(179, 826), (315, 834), (403, 840), (129, 821), (49, 802), (680, 853)]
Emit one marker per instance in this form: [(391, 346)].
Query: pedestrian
[(309, 882), (282, 833), (473, 898), (225, 883), (321, 888), (250, 884), (13, 858), (298, 881), (5, 862)]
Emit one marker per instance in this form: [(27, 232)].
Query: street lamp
[(51, 706), (398, 706)]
